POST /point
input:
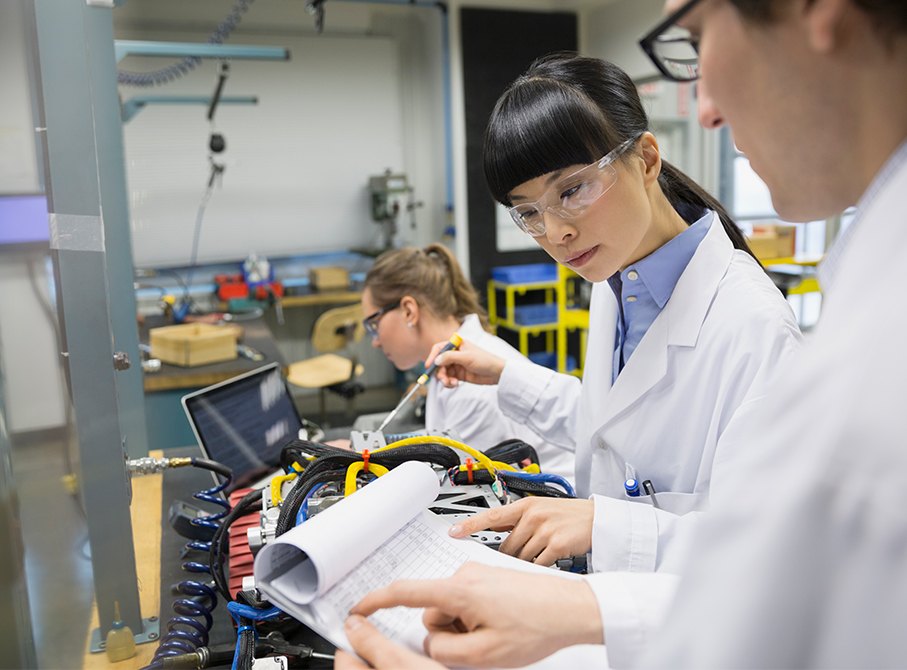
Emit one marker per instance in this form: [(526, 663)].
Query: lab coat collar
[(471, 327), (678, 324), (829, 267)]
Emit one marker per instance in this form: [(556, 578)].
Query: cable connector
[(153, 466)]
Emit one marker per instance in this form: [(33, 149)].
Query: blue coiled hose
[(188, 629)]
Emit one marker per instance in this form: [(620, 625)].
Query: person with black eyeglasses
[(800, 560)]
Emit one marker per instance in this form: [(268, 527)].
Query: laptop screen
[(244, 422)]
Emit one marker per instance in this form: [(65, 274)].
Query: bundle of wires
[(324, 464), (527, 479), (314, 465)]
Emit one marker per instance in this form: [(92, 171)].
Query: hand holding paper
[(383, 534), (488, 616)]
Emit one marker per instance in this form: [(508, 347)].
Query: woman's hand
[(484, 616), (542, 530), (380, 652), (469, 363)]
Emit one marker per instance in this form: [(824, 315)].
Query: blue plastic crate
[(525, 274), (549, 360), (530, 315)]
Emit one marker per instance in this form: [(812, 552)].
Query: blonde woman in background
[(414, 298)]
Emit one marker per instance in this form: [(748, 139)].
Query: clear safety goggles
[(571, 195), (370, 323)]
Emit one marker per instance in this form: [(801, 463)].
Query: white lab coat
[(706, 357), (803, 560), (471, 411)]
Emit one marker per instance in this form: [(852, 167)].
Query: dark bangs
[(540, 125)]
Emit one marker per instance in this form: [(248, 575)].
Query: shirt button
[(633, 274), (631, 298)]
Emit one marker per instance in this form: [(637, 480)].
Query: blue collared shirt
[(643, 288)]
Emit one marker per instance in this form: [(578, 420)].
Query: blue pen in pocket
[(631, 486)]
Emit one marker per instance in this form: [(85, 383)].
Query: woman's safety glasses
[(370, 323), (571, 195)]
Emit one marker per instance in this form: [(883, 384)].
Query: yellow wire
[(532, 468), (481, 458), (277, 485), (349, 487)]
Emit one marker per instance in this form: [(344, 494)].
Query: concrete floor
[(57, 562)]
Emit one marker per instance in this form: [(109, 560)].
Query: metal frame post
[(81, 134)]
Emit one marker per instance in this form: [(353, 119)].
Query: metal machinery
[(314, 477), (455, 501), (391, 196)]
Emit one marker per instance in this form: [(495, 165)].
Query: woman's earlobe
[(652, 159)]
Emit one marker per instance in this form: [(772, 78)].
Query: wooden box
[(772, 241), (193, 344), (330, 278)]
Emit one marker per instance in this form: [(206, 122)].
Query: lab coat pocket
[(675, 503)]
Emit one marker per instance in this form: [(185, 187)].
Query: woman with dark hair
[(685, 326), (415, 297)]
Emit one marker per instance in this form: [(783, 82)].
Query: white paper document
[(317, 571)]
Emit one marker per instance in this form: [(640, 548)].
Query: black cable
[(213, 466), (529, 487), (514, 483), (436, 454), (331, 463), (245, 644), (513, 451), (291, 504), (298, 450), (219, 89), (220, 541)]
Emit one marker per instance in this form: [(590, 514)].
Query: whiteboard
[(297, 163)]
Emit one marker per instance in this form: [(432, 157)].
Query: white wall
[(34, 387), (18, 158), (612, 32), (297, 163), (362, 97), (408, 42)]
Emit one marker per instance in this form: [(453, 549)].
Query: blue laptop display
[(244, 422)]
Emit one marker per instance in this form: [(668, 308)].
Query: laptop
[(245, 421)]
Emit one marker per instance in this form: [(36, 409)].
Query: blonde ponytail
[(431, 275)]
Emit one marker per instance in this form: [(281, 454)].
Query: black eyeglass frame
[(652, 36), (370, 323)]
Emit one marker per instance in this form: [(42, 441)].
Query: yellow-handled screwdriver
[(453, 343)]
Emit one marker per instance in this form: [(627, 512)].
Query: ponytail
[(465, 298), (690, 199), (431, 275)]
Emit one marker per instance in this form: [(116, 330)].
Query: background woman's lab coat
[(722, 335)]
